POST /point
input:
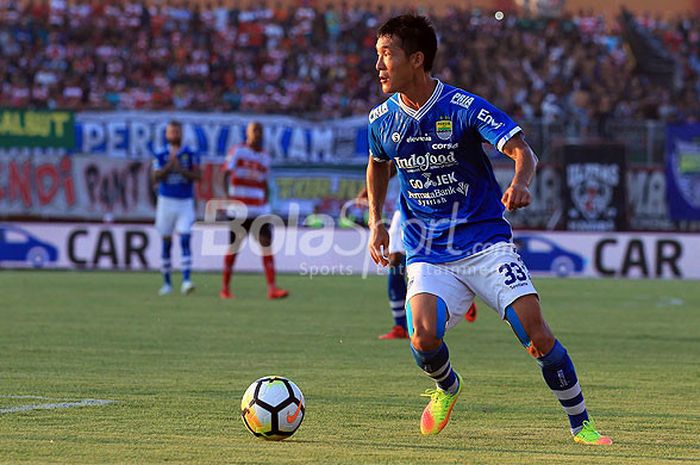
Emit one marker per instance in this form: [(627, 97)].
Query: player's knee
[(535, 336), (185, 239), (236, 239), (265, 236), (428, 329), (425, 340), (542, 340), (265, 241)]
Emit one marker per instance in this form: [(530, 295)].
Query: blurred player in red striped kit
[(246, 183)]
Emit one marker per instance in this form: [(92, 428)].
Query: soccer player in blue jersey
[(176, 169), (458, 243)]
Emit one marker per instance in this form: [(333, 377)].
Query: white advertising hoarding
[(336, 251)]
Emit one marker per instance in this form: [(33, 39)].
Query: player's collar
[(418, 114), (179, 151)]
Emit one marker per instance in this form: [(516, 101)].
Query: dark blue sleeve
[(493, 125), (158, 161)]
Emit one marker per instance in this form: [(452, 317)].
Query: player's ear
[(417, 59)]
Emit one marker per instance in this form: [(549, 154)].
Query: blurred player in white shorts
[(175, 169)]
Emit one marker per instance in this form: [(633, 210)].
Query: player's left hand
[(516, 196)]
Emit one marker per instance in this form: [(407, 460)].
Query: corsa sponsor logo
[(447, 146), (486, 117), (426, 162)]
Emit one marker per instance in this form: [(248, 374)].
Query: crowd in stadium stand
[(100, 55)]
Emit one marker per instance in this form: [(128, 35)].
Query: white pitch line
[(81, 403), (25, 397)]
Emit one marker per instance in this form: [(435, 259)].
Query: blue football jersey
[(176, 185), (451, 202)]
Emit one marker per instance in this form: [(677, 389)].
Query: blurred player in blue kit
[(175, 169), (457, 242)]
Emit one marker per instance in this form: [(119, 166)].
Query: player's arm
[(195, 174), (362, 196), (378, 174), (518, 193), (228, 167)]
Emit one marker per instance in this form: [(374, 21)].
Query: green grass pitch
[(177, 367)]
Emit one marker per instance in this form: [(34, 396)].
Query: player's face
[(254, 135), (393, 65), (173, 134)]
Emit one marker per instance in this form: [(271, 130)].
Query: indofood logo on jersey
[(443, 127), (426, 162)]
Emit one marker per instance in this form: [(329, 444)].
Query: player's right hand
[(516, 196), (379, 244)]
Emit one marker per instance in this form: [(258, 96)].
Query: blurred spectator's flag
[(650, 55)]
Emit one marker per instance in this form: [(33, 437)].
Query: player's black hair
[(416, 34), (176, 123)]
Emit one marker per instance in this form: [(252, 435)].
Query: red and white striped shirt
[(249, 172)]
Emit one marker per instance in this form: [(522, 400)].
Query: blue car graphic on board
[(541, 254), (17, 245)]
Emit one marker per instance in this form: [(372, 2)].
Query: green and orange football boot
[(590, 436), (437, 412)]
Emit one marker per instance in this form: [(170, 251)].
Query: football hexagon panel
[(273, 392), (297, 392), (290, 417), (248, 397), (257, 419)]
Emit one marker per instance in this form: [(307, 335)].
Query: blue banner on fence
[(288, 140), (683, 171)]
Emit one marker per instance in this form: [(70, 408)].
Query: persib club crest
[(443, 128)]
